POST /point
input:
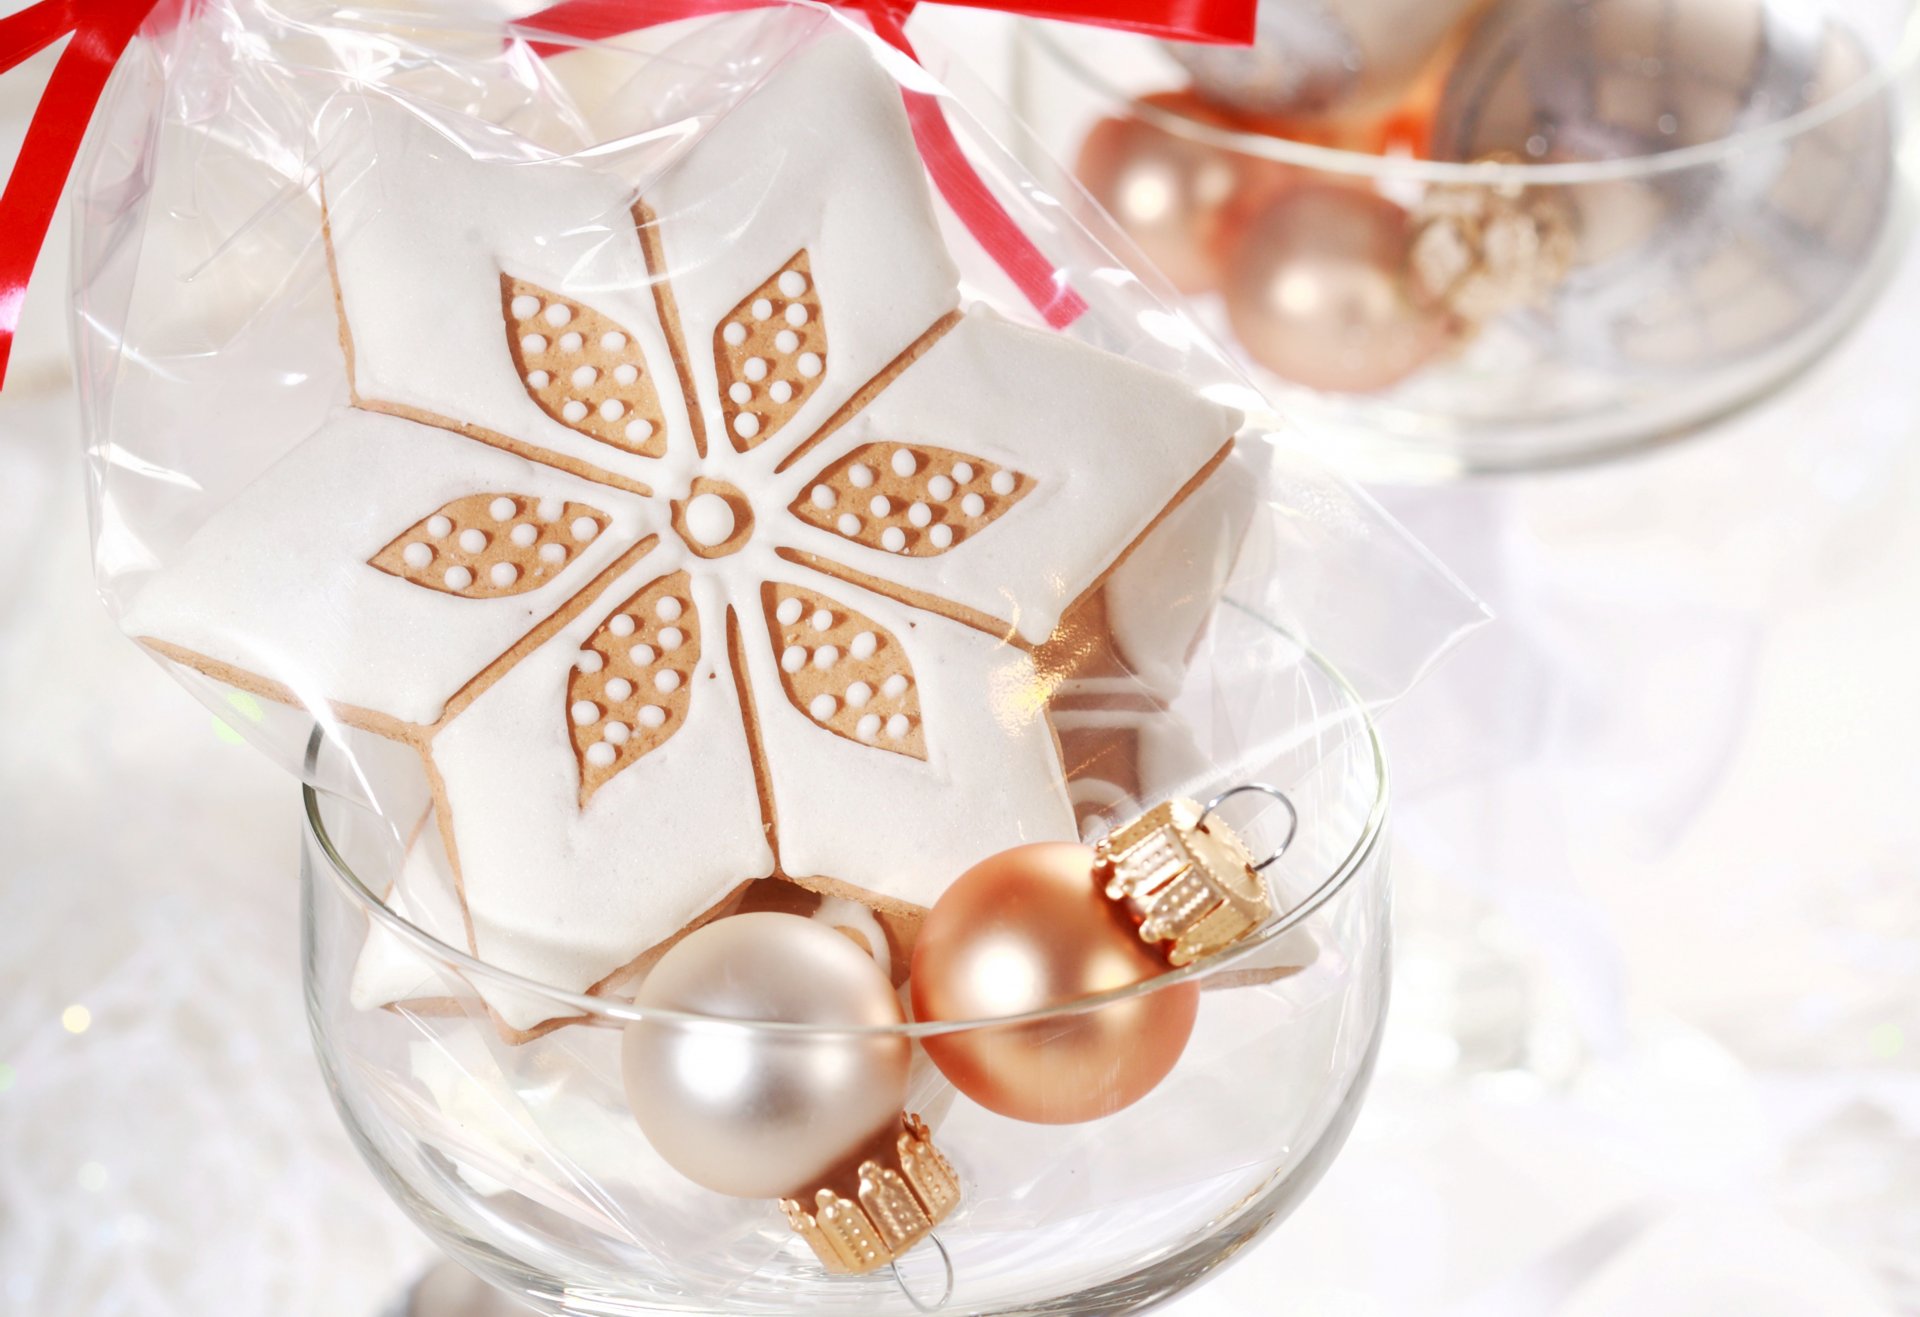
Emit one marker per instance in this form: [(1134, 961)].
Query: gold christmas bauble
[(1319, 290), (1028, 930)]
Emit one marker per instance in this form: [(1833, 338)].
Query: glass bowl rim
[(617, 1013), (1488, 173)]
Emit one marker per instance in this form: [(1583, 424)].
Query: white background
[(1658, 1011)]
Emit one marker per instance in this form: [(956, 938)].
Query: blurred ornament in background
[(1324, 59), (1483, 249), (1322, 292), (1689, 267), (1181, 199)]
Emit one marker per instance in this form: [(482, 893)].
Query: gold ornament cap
[(1185, 878), (900, 1190)]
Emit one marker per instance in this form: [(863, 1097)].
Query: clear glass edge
[(607, 1011), (1329, 159)]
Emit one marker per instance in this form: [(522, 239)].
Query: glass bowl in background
[(1588, 225), (525, 1164)]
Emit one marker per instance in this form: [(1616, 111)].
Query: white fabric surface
[(1658, 1013)]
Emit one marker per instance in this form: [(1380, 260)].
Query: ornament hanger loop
[(946, 1260), (1293, 814)]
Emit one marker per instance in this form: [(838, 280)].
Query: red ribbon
[(102, 29)]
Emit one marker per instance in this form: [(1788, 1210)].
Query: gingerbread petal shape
[(582, 369), (910, 499), (486, 546), (770, 354), (843, 670), (632, 680)]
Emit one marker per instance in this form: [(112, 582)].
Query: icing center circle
[(709, 520)]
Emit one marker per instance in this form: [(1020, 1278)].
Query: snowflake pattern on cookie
[(692, 537)]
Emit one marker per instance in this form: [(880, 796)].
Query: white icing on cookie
[(709, 519)]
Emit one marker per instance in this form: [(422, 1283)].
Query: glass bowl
[(525, 1164), (1676, 269)]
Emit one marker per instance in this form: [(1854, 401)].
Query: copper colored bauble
[(1027, 930), (1176, 196), (1320, 292), (761, 1113)]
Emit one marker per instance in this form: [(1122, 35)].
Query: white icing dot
[(848, 525), (619, 688), (786, 341), (864, 644), (416, 555), (538, 379), (735, 334), (612, 409), (880, 505), (823, 706), (940, 489), (670, 639), (666, 681), (616, 733), (525, 307), (740, 392), (792, 283), (524, 535), (558, 314), (1002, 482), (625, 373), (613, 340), (585, 528), (942, 536), (571, 342), (754, 368), (503, 574), (825, 657), (868, 727), (709, 520), (502, 509), (897, 726), (762, 308), (780, 391), (549, 509), (822, 620), (920, 514), (668, 609), (793, 658), (600, 754), (439, 526), (746, 425), (652, 715), (858, 694), (973, 505), (533, 342), (810, 364), (553, 553), (895, 686), (588, 660), (575, 411), (585, 713), (641, 656), (583, 377), (904, 463), (473, 540), (789, 611), (620, 624), (796, 315), (860, 475), (823, 497), (639, 431), (893, 539), (963, 472)]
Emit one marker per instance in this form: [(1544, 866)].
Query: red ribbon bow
[(102, 30)]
